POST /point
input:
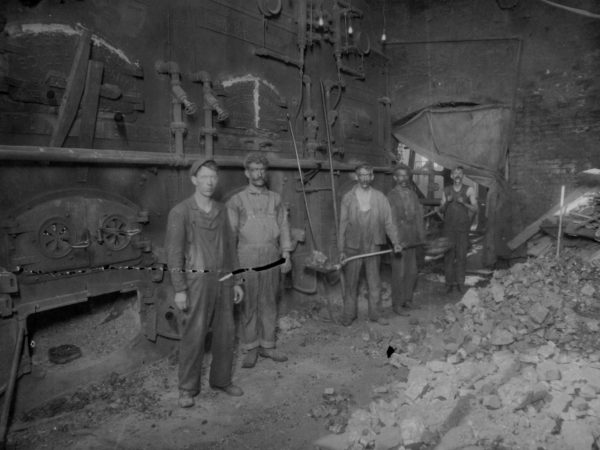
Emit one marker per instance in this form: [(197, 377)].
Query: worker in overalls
[(365, 219), (459, 205), (407, 213), (199, 251), (262, 235)]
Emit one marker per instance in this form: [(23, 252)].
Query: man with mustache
[(459, 206), (365, 220), (199, 252), (262, 235), (407, 212)]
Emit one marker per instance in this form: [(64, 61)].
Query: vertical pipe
[(208, 121), (302, 31), (177, 117)]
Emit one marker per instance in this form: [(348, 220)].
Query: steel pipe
[(140, 158)]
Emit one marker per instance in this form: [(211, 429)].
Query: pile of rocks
[(513, 365)]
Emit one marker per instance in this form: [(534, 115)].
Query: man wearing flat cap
[(200, 251)]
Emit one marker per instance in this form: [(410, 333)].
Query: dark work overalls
[(196, 241), (457, 222)]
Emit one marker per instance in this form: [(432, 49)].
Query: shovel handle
[(381, 252)]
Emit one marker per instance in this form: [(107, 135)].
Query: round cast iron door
[(114, 232), (54, 238)]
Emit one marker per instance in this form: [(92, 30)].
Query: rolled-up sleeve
[(285, 240), (175, 245), (344, 214)]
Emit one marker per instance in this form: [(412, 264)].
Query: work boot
[(401, 313), (346, 321), (250, 358), (272, 354), (232, 390), (380, 320), (186, 400), (410, 305)]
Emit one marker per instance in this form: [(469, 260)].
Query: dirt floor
[(129, 400)]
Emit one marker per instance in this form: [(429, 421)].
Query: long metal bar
[(130, 157), (329, 154), (449, 41), (310, 224), (12, 381)]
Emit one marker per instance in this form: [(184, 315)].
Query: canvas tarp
[(475, 137)]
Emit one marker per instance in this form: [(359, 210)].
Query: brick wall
[(557, 126)]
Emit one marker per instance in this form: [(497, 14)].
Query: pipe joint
[(208, 131), (170, 67), (178, 127)]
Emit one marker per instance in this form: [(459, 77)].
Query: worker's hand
[(342, 256), (287, 265), (398, 248), (238, 294), (449, 199), (181, 300)]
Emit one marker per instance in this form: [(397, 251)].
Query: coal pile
[(513, 365)]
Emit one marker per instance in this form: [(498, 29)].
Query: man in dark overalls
[(199, 251), (365, 220), (459, 204), (407, 213), (262, 234)]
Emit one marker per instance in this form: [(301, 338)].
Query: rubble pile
[(513, 365)]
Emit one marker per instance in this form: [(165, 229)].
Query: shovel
[(319, 263)]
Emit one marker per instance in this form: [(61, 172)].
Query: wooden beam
[(74, 91), (89, 104), (534, 227)]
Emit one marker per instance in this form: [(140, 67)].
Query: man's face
[(256, 174), (457, 176), (401, 177), (205, 180), (364, 177)]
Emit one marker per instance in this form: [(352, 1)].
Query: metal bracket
[(8, 282)]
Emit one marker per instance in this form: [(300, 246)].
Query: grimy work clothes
[(407, 213), (457, 223), (364, 232), (262, 233), (197, 241)]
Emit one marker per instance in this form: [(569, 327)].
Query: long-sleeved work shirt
[(407, 213), (381, 223), (198, 241)]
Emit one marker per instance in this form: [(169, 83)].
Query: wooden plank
[(533, 228), (74, 91), (89, 104)]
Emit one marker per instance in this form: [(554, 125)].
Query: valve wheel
[(114, 232), (54, 238)]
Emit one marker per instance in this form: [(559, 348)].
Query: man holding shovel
[(365, 220), (407, 213), (262, 235)]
